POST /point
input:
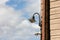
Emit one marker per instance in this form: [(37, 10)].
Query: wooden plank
[(55, 26), (55, 10), (43, 20), (55, 16), (55, 32), (55, 38), (55, 21), (55, 35), (55, 4), (53, 0)]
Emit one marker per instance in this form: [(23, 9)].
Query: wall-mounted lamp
[(32, 20)]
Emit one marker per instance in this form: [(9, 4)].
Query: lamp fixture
[(32, 20)]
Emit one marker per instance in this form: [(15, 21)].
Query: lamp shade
[(32, 20)]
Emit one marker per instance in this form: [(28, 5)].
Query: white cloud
[(23, 31), (13, 26), (33, 6), (36, 26), (3, 1)]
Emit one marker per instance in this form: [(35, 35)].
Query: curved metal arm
[(32, 20), (39, 18)]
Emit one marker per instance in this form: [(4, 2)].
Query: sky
[(14, 23)]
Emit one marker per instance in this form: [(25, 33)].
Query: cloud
[(23, 31), (13, 26), (3, 1), (32, 7)]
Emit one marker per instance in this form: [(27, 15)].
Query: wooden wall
[(55, 19), (43, 19)]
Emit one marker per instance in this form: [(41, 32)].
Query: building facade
[(55, 19), (50, 10)]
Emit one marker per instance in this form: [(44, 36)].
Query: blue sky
[(20, 4), (14, 23)]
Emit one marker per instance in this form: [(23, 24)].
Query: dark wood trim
[(46, 20)]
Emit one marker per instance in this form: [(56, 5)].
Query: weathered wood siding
[(55, 19), (43, 19)]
